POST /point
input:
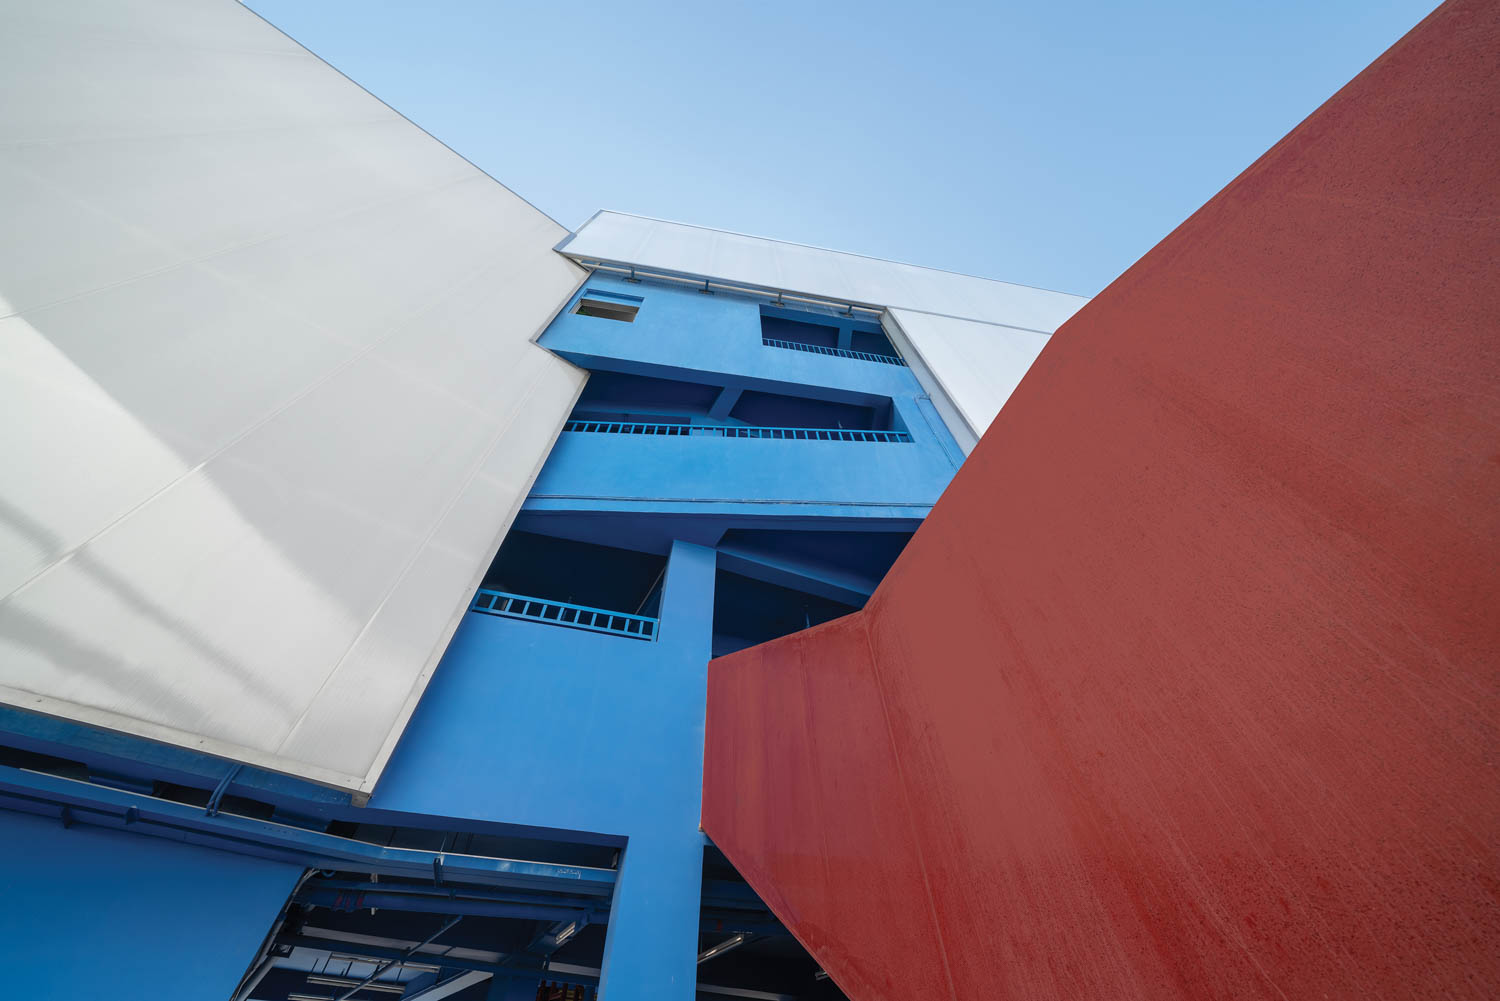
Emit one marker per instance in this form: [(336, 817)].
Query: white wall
[(268, 397)]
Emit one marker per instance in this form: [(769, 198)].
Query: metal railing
[(772, 342), (562, 613), (713, 431), (778, 297)]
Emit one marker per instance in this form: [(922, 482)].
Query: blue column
[(651, 950)]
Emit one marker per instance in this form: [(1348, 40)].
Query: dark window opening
[(614, 307), (579, 573)]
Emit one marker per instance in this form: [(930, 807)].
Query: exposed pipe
[(777, 296), (217, 796), (732, 942), (471, 892), (650, 590), (324, 980), (377, 953), (336, 900)]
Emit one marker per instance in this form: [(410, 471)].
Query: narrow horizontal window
[(607, 310)]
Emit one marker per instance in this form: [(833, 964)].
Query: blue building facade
[(735, 468), (366, 534)]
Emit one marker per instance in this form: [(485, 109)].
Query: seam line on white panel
[(435, 654), (531, 363)]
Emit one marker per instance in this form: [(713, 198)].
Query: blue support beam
[(375, 952), (798, 573), (142, 761), (727, 398), (340, 900), (90, 803)]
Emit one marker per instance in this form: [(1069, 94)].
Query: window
[(607, 306)]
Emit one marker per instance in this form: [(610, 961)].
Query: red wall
[(1187, 689)]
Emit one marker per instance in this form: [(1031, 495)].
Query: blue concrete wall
[(716, 334), (91, 913), (546, 726), (683, 332), (621, 472)]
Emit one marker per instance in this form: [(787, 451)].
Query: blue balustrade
[(562, 613), (737, 431), (773, 342)]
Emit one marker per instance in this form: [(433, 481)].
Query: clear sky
[(1044, 143)]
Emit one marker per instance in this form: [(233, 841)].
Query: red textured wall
[(1187, 689)]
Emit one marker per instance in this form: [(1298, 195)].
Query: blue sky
[(1047, 144)]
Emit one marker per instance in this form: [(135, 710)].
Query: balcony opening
[(819, 334), (772, 582), (617, 396), (749, 611), (580, 585), (621, 403), (782, 328), (778, 410)]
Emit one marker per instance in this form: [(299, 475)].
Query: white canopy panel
[(976, 366), (963, 362), (268, 393)]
